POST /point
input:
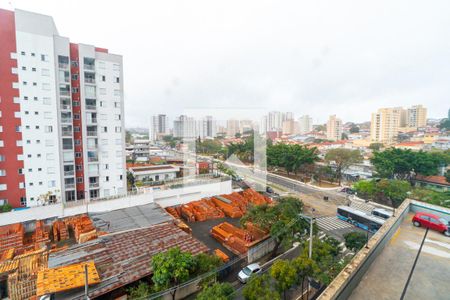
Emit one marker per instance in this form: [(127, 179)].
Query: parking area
[(387, 275), (201, 231)]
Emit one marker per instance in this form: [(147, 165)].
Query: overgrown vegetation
[(5, 208), (217, 291), (355, 240), (281, 220)]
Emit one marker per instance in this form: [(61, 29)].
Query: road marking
[(332, 223)]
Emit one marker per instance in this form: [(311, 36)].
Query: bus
[(382, 213), (359, 218)]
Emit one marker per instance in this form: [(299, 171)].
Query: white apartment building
[(305, 124), (62, 130), (334, 128), (159, 126)]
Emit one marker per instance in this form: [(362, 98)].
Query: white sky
[(310, 57)]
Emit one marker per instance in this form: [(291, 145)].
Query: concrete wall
[(342, 286), (260, 250), (166, 198)]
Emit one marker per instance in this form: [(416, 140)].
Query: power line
[(414, 266)]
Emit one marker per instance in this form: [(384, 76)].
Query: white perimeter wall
[(162, 197)]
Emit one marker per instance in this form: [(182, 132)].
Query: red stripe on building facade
[(10, 124), (77, 123)]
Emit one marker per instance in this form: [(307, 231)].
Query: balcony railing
[(92, 159), (92, 133), (63, 65), (66, 133), (89, 80), (69, 185), (64, 92), (69, 173), (67, 147), (94, 185), (66, 120), (65, 106), (89, 67), (92, 147), (92, 107)]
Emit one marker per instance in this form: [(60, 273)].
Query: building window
[(103, 78), (2, 172), (24, 68), (74, 76), (33, 69), (25, 97), (77, 154), (76, 129), (22, 52), (79, 179), (23, 201), (35, 98), (107, 178), (75, 90), (74, 63), (76, 103), (76, 116), (44, 57)]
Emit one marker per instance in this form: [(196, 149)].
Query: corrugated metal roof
[(122, 258), (130, 218)]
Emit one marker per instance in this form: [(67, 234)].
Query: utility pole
[(86, 282)]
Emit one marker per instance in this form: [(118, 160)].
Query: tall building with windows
[(385, 124), (417, 116), (305, 124), (184, 127), (334, 128), (159, 127), (61, 115)]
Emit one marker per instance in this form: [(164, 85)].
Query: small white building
[(154, 173)]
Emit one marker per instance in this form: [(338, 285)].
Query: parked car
[(248, 271), (269, 190), (431, 221)]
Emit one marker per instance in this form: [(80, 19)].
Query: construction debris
[(60, 231), (219, 253), (82, 227), (65, 278), (201, 210), (238, 240), (11, 236)]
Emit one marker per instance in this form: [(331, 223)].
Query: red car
[(432, 221)]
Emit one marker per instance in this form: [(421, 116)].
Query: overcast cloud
[(310, 57)]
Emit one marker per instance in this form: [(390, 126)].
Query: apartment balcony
[(93, 159), (94, 185), (91, 107), (92, 133), (66, 133), (69, 173), (69, 186), (93, 172), (66, 106), (89, 67), (67, 147), (67, 120), (89, 80), (63, 66)]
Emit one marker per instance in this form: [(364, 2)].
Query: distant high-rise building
[(233, 127), (62, 128), (385, 124), (334, 128), (273, 122), (159, 127), (290, 127), (417, 116), (305, 124), (206, 127), (184, 127)]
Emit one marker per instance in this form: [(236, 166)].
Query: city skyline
[(302, 75)]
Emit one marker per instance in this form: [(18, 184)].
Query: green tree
[(405, 164), (291, 157), (172, 268), (355, 240), (305, 268), (5, 208), (343, 158), (217, 291), (128, 137), (396, 191), (344, 136), (325, 254), (259, 288), (281, 220), (354, 129), (285, 275), (445, 124), (141, 291)]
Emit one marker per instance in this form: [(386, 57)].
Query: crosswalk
[(332, 223), (367, 208)]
